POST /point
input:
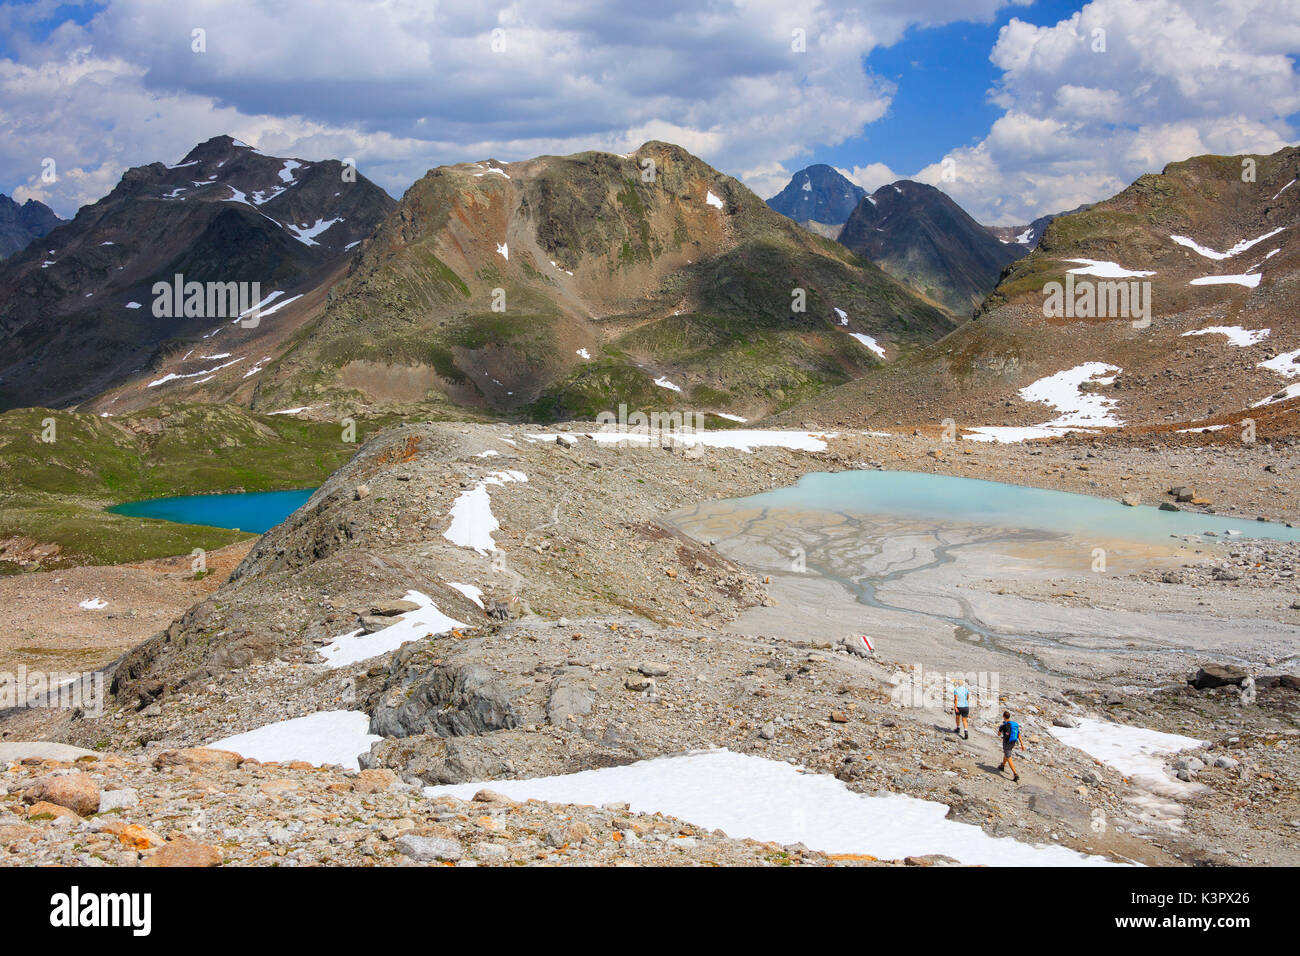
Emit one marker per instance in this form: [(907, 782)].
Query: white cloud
[(403, 85), (872, 176), (1176, 78)]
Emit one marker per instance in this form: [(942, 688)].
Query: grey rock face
[(447, 701)]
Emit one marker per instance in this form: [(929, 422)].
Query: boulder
[(568, 699), (77, 791), (1217, 675), (446, 700), (375, 780), (430, 849), (198, 758), (14, 751), (392, 608), (186, 853), (1049, 804)]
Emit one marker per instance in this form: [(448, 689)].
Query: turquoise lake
[(975, 501), (256, 512)]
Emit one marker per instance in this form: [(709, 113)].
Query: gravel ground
[(598, 595)]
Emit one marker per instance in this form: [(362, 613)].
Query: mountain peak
[(19, 225), (917, 233), (820, 194)]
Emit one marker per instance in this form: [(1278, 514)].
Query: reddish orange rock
[(182, 852), (43, 809), (198, 758), (77, 791)]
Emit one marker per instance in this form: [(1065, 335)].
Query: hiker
[(1009, 731), (961, 708)]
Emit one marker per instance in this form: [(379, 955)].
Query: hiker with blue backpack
[(1009, 731)]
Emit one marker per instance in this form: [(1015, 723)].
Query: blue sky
[(943, 75), (1013, 99)]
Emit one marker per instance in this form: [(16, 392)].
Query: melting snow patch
[(1290, 392), (355, 646), (1203, 428), (1250, 280), (263, 313), (1012, 434), (1105, 270), (731, 418), (1235, 250), (869, 342), (1139, 755), (756, 798), (1284, 364), (503, 250), (583, 353), (1063, 391), (1235, 334), (713, 200), (662, 382), (327, 737), (471, 592), (1026, 237), (133, 305), (172, 376), (307, 234), (472, 521), (286, 172), (292, 411), (258, 367), (93, 604), (844, 317)]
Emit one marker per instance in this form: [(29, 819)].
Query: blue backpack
[(1013, 731)]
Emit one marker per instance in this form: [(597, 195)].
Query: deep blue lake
[(256, 511)]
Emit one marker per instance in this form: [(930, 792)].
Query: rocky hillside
[(589, 632), (916, 233), (77, 311), (1214, 257), (19, 225), (563, 286), (818, 196)]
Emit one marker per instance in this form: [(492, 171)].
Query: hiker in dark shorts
[(961, 708), (1009, 731)]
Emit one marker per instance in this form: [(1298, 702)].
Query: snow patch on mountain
[(1235, 334)]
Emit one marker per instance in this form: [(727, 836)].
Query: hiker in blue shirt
[(1009, 731), (961, 708)]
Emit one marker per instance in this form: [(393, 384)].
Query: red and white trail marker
[(866, 642)]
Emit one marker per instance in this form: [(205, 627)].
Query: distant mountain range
[(818, 198), (19, 225), (1184, 314), (552, 287), (76, 310), (563, 286), (1030, 235), (919, 235)]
